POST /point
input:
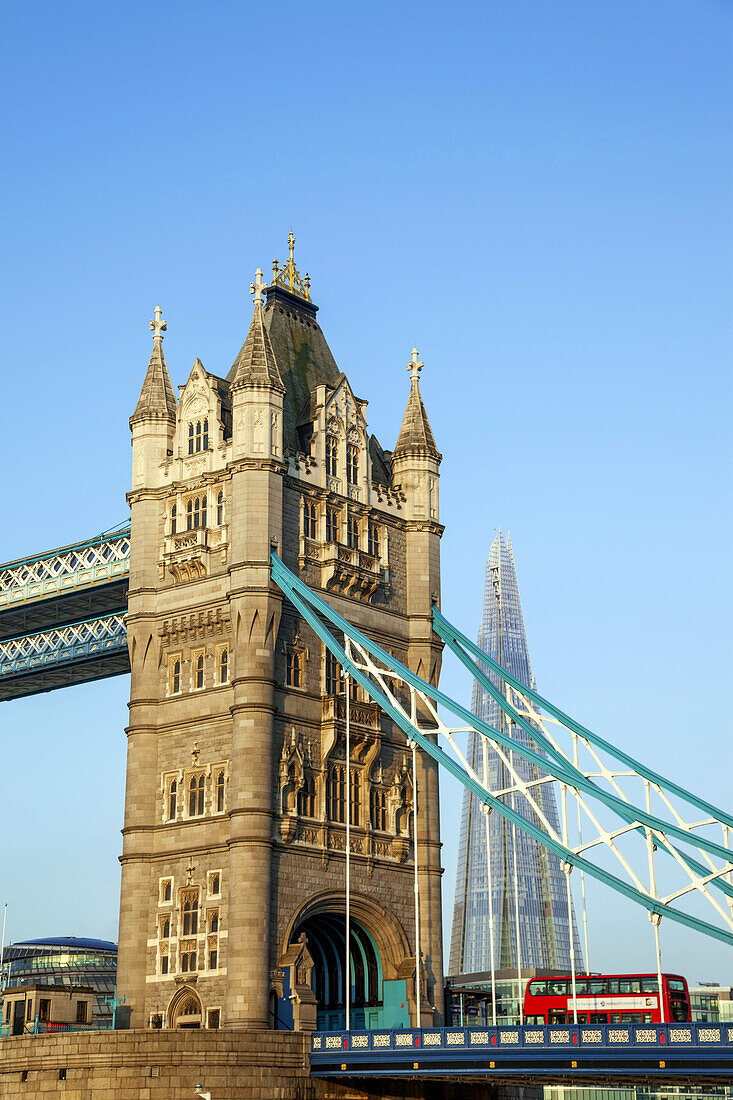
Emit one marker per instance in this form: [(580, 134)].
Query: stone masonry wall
[(167, 1065)]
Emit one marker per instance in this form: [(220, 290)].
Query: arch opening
[(326, 937), (185, 1010)]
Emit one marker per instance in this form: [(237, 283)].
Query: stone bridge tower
[(233, 866)]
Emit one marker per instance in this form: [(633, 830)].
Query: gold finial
[(158, 326), (414, 366), (288, 276)]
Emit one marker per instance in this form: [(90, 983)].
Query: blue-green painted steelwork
[(311, 606)]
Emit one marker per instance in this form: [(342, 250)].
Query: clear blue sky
[(537, 194)]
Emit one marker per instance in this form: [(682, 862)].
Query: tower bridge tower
[(233, 865)]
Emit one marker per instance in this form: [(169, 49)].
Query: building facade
[(64, 961), (233, 865), (544, 923)]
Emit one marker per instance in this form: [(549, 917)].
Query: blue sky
[(537, 194)]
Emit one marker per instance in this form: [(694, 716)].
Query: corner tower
[(233, 865)]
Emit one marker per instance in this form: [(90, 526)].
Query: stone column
[(256, 606)]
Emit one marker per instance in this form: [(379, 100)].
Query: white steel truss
[(63, 644), (74, 567)]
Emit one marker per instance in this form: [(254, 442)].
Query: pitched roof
[(256, 364), (304, 358), (415, 433), (156, 397)]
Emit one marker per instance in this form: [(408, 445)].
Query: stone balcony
[(346, 570), (193, 554), (365, 715)]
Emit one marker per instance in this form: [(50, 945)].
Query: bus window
[(647, 1018), (613, 985), (555, 1016), (538, 989), (596, 986), (534, 1020), (676, 985), (581, 986), (630, 985), (598, 1018), (631, 1017), (649, 985), (614, 1017), (680, 1010), (582, 1017), (557, 988)]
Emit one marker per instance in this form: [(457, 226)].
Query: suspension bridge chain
[(635, 835)]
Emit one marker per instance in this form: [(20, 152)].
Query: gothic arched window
[(206, 435), (165, 929), (220, 793), (355, 797), (220, 508), (174, 512), (352, 533), (191, 914), (307, 797), (198, 435), (332, 454), (172, 790), (332, 524), (378, 809), (352, 463), (309, 519), (190, 439), (176, 677), (224, 666), (334, 683), (336, 794), (373, 540), (294, 668), (200, 671), (196, 796)]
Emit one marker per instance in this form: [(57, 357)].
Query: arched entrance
[(378, 952), (184, 1010), (326, 934)]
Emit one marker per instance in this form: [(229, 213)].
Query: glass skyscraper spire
[(545, 925)]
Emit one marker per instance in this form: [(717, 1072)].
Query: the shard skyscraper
[(544, 921)]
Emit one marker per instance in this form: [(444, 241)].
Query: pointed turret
[(156, 400), (416, 435), (256, 364)]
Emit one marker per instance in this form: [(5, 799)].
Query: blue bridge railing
[(654, 1050)]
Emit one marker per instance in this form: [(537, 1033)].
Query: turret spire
[(256, 364), (416, 435), (156, 397)]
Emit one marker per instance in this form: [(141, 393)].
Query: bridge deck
[(654, 1052), (60, 586)]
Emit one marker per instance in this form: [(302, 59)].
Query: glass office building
[(544, 921), (65, 960)]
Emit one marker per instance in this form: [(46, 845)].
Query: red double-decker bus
[(607, 999)]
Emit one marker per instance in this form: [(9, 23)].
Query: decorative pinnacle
[(414, 366), (288, 276), (257, 286), (158, 326)]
